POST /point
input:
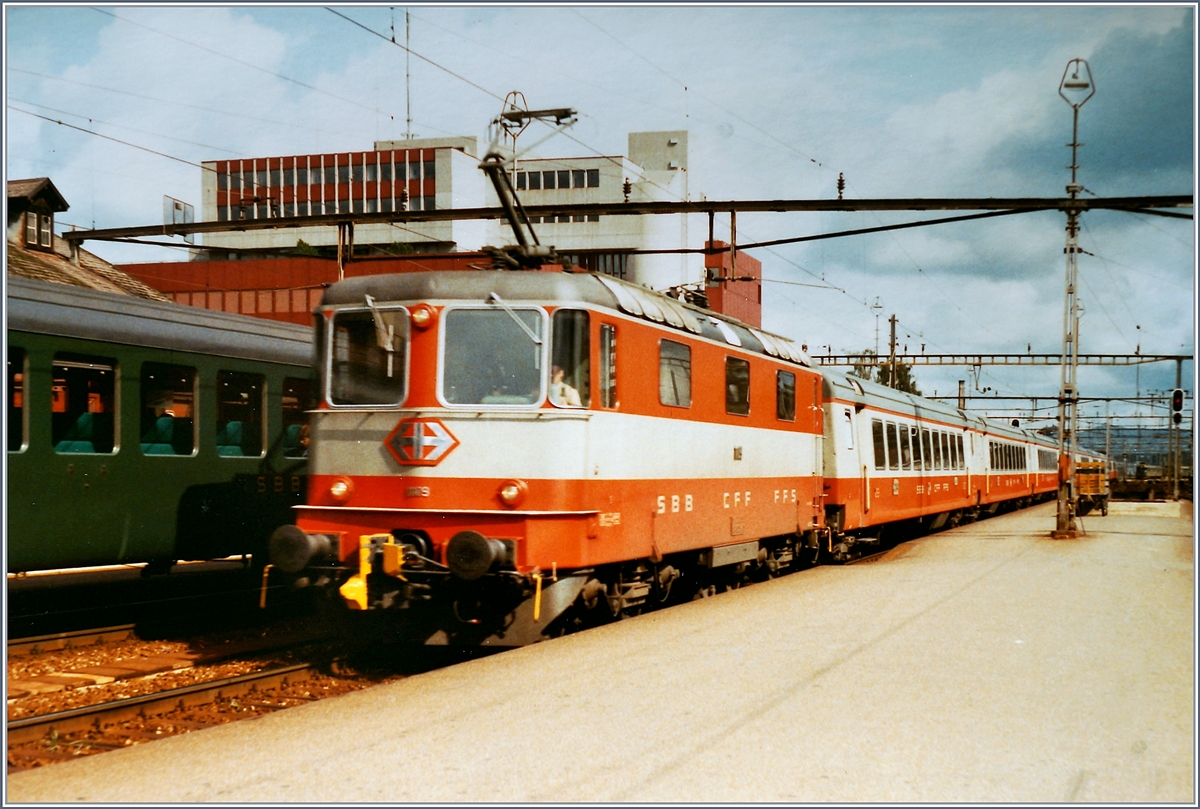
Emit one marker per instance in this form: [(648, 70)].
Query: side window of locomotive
[(368, 357), (15, 396), (905, 449), (83, 404), (785, 396), (674, 374), (893, 446), (493, 357), (570, 363), (240, 414), (737, 386), (297, 399), (608, 365), (877, 440), (927, 448), (168, 422)]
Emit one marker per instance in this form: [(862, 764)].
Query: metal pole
[(407, 81), (1081, 89), (733, 244), (892, 354), (1178, 433)]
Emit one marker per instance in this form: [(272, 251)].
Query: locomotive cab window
[(674, 374), (83, 404), (240, 414), (168, 422), (15, 396), (608, 365), (368, 356), (570, 366), (493, 356), (297, 399), (737, 386), (785, 397)]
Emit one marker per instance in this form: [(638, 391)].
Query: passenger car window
[(14, 394), (674, 374), (297, 399), (83, 404), (240, 414), (893, 447), (905, 449), (168, 425), (877, 440)]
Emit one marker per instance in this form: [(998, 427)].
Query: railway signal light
[(1177, 405)]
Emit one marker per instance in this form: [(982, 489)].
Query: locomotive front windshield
[(493, 357), (367, 357)]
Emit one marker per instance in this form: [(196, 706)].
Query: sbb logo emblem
[(420, 442)]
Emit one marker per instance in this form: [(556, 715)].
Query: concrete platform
[(987, 664)]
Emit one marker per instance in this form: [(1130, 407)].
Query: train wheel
[(707, 591)]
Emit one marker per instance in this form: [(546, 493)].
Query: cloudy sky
[(931, 101)]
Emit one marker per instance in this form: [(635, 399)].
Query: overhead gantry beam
[(1013, 205)]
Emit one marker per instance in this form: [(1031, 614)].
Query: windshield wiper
[(385, 334), (493, 297)]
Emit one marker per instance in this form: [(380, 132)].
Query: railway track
[(61, 641), (105, 715)]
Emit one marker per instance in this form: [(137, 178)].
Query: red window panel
[(231, 302), (216, 300), (314, 299), (247, 306), (282, 301), (266, 301), (299, 300)]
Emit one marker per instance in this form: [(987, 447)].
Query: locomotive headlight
[(422, 316), (341, 490), (512, 493)]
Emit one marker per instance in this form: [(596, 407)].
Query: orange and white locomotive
[(491, 448)]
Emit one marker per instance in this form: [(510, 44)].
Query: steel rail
[(107, 713), (23, 647)]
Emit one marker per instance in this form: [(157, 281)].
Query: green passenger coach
[(147, 432)]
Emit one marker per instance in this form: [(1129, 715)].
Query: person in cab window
[(561, 393)]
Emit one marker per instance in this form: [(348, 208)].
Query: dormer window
[(39, 229)]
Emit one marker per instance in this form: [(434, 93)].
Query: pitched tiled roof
[(91, 272)]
